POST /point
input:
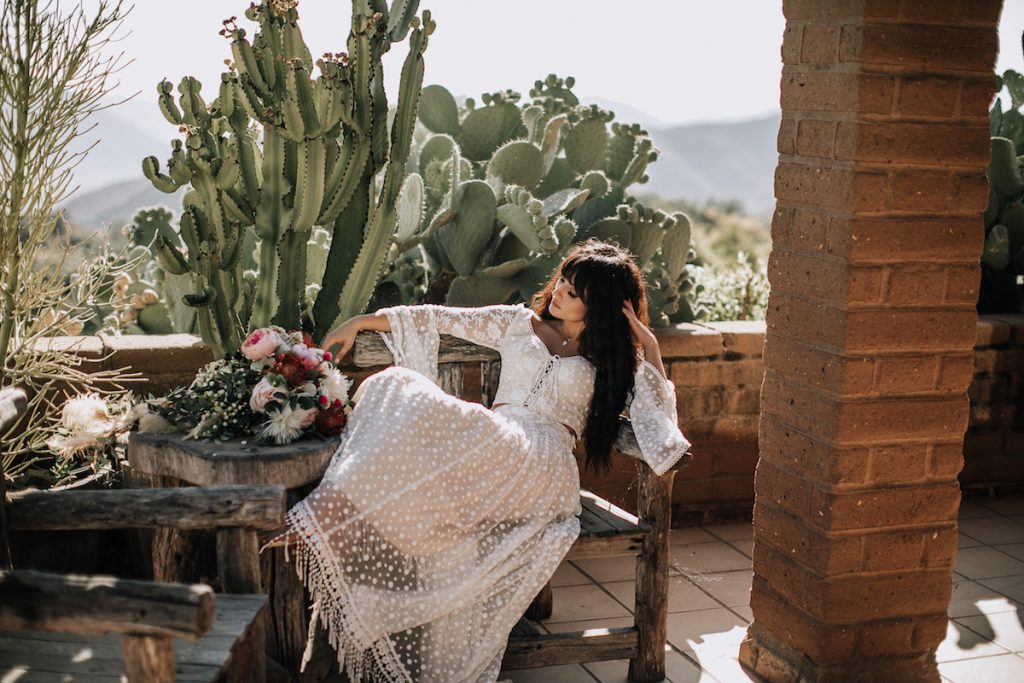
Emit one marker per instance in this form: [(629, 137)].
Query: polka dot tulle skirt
[(435, 525)]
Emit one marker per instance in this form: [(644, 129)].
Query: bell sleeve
[(655, 421), (416, 330)]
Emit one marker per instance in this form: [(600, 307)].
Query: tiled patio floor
[(708, 612)]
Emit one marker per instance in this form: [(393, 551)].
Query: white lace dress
[(439, 520)]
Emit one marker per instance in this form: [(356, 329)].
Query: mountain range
[(698, 162)]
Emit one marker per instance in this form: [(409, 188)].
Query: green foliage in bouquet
[(497, 194), (306, 166), (216, 404)]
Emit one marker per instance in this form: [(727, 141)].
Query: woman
[(439, 520)]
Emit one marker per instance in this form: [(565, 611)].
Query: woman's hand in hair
[(643, 338)]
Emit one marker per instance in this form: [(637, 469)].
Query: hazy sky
[(677, 60)]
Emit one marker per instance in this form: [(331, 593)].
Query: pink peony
[(263, 393), (260, 344)]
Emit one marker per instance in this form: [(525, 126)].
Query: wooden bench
[(228, 640), (60, 627), (605, 531)]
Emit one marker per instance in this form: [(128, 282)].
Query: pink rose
[(308, 417), (263, 393), (260, 344)]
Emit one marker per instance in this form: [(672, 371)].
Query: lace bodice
[(554, 387)]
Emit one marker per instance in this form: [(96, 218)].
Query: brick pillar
[(870, 332)]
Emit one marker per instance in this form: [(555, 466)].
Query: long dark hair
[(604, 276)]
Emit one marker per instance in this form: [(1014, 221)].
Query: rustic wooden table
[(171, 460)]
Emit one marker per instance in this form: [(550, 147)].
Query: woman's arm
[(644, 338), (344, 336)]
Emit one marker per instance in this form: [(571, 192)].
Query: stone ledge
[(689, 340), (741, 337), (1010, 325)]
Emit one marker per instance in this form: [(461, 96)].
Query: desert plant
[(499, 193), (305, 166), (53, 75), (736, 293)]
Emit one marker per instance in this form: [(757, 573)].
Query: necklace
[(567, 339)]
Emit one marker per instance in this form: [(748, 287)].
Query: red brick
[(916, 285), (898, 464), (928, 47), (786, 140), (947, 459), (905, 239), (949, 12), (800, 228), (806, 90), (856, 596), (892, 550), (930, 631), (806, 275), (885, 638), (940, 547), (792, 37), (890, 420), (775, 531), (820, 9), (813, 184), (971, 194), (819, 641), (820, 461), (984, 11), (976, 97), (887, 507), (732, 489), (814, 138), (871, 193), (808, 410), (962, 284), (784, 490), (906, 593), (737, 460), (923, 191), (820, 44), (909, 330), (799, 362), (906, 374), (956, 372), (699, 468), (928, 96), (914, 143), (816, 323)]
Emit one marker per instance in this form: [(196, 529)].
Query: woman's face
[(566, 303)]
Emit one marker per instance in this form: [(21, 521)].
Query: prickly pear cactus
[(501, 192), (283, 160)]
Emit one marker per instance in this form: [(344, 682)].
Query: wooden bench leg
[(542, 605), (238, 565), (654, 506), (148, 659)]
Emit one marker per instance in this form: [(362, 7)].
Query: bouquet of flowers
[(279, 387)]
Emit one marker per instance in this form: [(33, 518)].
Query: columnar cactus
[(501, 193), (279, 153)]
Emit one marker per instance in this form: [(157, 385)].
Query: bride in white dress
[(438, 520)]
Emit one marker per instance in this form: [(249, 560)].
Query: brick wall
[(994, 443)]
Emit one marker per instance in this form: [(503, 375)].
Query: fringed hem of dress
[(316, 565)]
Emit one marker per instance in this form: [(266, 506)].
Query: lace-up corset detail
[(531, 376)]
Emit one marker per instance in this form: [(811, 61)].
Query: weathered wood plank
[(98, 604), (449, 378), (236, 461), (593, 645), (258, 507), (654, 503), (148, 659), (370, 351), (490, 374), (614, 516), (607, 546)]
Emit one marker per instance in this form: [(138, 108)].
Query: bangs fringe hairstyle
[(604, 276)]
